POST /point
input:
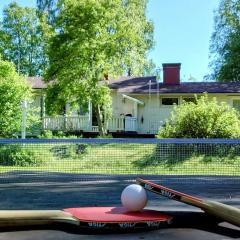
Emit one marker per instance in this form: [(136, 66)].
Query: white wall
[(120, 106), (153, 113)]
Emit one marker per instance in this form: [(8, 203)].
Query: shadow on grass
[(70, 151), (172, 154)]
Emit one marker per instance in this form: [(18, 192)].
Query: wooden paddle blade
[(170, 193), (225, 212)]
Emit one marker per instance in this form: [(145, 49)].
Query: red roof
[(142, 85)]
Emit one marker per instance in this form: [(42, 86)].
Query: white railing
[(130, 124), (81, 123), (56, 123), (66, 123), (95, 129), (115, 124)]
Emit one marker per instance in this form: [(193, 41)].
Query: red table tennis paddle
[(88, 217)]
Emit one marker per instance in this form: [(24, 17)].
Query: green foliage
[(47, 7), (151, 69), (106, 136), (225, 43), (20, 155), (204, 119), (94, 39), (22, 39), (13, 90), (48, 134)]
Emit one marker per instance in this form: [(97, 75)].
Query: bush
[(19, 155), (205, 118), (48, 134), (13, 90)]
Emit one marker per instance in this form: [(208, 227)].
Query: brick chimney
[(171, 73)]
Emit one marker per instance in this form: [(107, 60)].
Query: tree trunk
[(100, 120)]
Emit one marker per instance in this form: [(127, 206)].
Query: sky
[(182, 32)]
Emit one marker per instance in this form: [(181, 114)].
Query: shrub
[(205, 118), (13, 90), (48, 134), (20, 155)]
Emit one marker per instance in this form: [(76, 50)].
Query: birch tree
[(95, 39)]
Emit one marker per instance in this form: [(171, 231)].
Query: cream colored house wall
[(153, 113), (36, 104), (149, 116), (121, 106)]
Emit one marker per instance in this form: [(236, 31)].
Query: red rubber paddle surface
[(116, 214)]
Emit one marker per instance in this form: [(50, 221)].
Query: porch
[(83, 123)]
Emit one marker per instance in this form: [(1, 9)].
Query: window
[(236, 104), (189, 99), (169, 101)]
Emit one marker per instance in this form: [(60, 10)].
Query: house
[(139, 104)]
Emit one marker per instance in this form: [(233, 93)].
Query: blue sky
[(182, 32)]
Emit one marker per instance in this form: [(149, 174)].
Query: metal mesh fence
[(81, 159)]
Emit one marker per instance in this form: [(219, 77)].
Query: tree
[(94, 40), (22, 39), (225, 42), (151, 69), (204, 118), (13, 90), (48, 7)]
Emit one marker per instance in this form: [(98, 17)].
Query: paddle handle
[(223, 211), (34, 217)]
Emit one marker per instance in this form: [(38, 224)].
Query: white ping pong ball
[(134, 197)]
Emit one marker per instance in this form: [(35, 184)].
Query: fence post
[(24, 118)]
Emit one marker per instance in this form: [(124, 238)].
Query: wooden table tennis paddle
[(225, 212), (87, 217)]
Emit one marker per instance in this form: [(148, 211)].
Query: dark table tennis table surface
[(184, 231), (189, 222)]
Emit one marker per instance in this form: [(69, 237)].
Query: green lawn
[(129, 159)]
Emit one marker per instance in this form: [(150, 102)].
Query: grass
[(129, 159)]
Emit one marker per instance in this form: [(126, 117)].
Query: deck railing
[(130, 124), (115, 124), (80, 123), (66, 123)]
